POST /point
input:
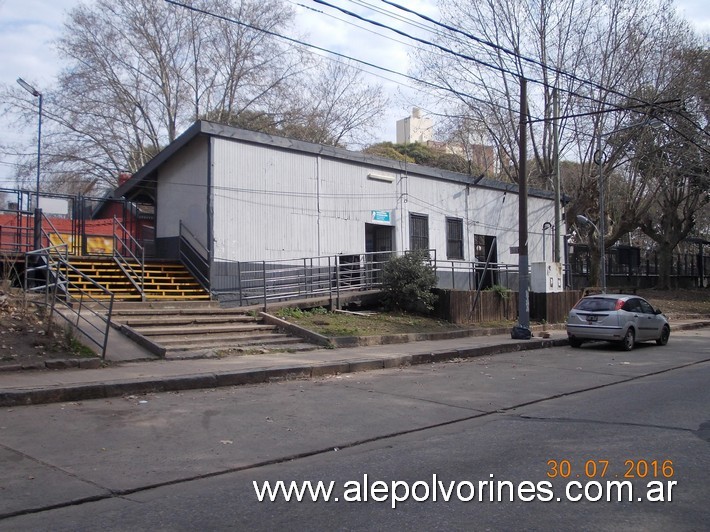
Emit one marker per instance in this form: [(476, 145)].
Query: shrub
[(502, 291), (409, 281)]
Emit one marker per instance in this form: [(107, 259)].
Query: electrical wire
[(514, 54), (470, 58), (332, 52), (543, 65)]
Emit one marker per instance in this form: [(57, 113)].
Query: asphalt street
[(189, 460)]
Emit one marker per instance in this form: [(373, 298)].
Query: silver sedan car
[(619, 318)]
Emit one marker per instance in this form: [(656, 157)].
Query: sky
[(28, 27)]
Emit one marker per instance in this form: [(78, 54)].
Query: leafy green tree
[(409, 281), (419, 153)]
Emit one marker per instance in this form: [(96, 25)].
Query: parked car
[(625, 319)]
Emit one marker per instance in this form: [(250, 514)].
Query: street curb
[(83, 392)]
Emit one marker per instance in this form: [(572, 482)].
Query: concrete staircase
[(200, 329)]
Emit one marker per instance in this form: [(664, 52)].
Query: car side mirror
[(658, 311)]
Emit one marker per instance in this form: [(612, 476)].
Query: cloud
[(27, 29)]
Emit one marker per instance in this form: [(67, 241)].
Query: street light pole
[(602, 228), (34, 92), (38, 213)]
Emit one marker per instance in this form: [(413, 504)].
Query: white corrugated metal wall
[(182, 192), (265, 202), (272, 203), (348, 198)]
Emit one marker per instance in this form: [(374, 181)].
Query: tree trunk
[(665, 263)]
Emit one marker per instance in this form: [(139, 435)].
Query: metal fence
[(627, 265), (265, 282)]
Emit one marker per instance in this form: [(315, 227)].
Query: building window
[(454, 238), (418, 231)]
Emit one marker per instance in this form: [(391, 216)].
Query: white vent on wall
[(380, 177)]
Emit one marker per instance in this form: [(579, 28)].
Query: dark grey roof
[(203, 127)]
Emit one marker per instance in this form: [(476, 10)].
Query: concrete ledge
[(366, 341), (295, 330), (321, 370), (226, 378), (398, 361), (54, 363), (142, 341), (61, 363), (422, 358), (287, 373), (366, 365)]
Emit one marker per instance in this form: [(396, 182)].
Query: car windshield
[(596, 304)]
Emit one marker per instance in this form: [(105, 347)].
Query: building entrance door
[(378, 238), (378, 244)]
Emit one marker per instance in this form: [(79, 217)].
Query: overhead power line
[(512, 53), (486, 64), (332, 52)]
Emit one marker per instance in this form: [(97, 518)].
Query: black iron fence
[(632, 266)]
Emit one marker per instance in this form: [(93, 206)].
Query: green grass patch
[(333, 324)]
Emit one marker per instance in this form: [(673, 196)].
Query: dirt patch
[(26, 340), (680, 304)]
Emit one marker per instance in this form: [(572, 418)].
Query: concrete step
[(202, 329), (169, 307), (156, 332), (125, 312), (222, 338), (185, 319), (209, 343), (211, 352)]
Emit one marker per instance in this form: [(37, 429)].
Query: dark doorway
[(378, 238), (378, 245), (486, 253)]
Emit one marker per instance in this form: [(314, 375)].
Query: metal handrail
[(128, 270), (42, 257), (57, 264), (46, 235), (196, 262), (262, 282)]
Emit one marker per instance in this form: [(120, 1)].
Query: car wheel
[(627, 344), (665, 334), (574, 342)]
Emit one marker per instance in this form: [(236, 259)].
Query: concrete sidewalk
[(48, 386)]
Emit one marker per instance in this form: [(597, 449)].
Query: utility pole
[(522, 330), (558, 186)]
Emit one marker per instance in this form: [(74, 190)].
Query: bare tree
[(679, 162), (337, 106), (602, 58), (331, 104), (140, 71)]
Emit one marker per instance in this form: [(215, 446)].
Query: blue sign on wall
[(381, 216)]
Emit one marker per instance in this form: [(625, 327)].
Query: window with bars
[(454, 238), (418, 231)]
